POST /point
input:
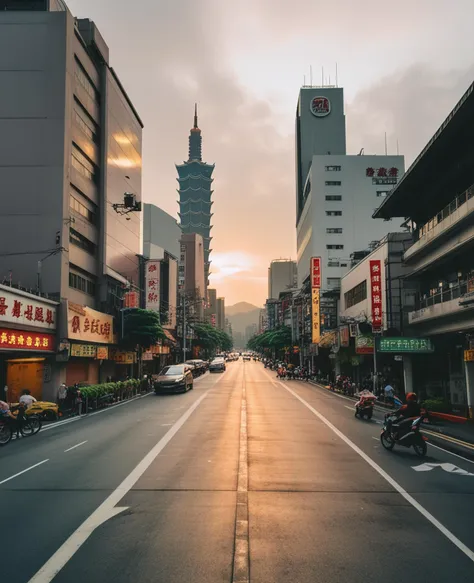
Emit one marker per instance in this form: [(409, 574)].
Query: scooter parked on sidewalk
[(365, 405), (409, 435)]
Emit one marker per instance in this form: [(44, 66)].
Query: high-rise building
[(336, 193), (71, 174), (221, 313), (282, 276), (192, 273), (195, 193), (161, 247), (211, 309)]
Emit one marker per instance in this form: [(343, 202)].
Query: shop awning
[(169, 336)]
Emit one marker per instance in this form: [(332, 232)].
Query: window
[(82, 164), (83, 242), (343, 264), (356, 294), (332, 168), (83, 283), (84, 80), (334, 282), (334, 231), (79, 207), (333, 197), (334, 246), (333, 263), (87, 125), (382, 192), (333, 183), (334, 213)]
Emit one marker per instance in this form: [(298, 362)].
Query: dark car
[(217, 365), (198, 367), (174, 379)]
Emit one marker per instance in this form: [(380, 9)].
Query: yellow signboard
[(316, 316), (87, 325), (469, 356), (121, 356)]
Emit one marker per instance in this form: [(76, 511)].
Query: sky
[(403, 65)]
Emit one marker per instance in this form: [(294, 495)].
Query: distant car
[(217, 365), (197, 366), (177, 378), (246, 357)]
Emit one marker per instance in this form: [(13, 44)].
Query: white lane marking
[(450, 452), (60, 423), (447, 533), (376, 438), (74, 446), (108, 508), (350, 408), (450, 468), (23, 471), (241, 564)]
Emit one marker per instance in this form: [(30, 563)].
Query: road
[(242, 479)]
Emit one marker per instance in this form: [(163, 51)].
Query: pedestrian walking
[(62, 395)]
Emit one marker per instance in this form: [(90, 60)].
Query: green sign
[(403, 344)]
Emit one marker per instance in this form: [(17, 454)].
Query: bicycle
[(27, 425)]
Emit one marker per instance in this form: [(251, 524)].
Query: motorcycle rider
[(404, 415)]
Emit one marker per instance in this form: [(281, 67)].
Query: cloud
[(409, 105)]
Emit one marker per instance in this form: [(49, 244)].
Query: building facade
[(74, 151), (195, 193), (221, 313), (436, 197), (211, 308), (336, 193), (194, 282), (281, 277)]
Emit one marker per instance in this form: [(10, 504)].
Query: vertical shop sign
[(315, 299), (376, 294), (153, 285)]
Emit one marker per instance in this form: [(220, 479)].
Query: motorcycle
[(411, 437), (365, 405)]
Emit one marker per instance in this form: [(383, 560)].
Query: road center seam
[(241, 563)]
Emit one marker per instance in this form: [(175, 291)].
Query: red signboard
[(131, 300), (376, 293), (315, 272), (22, 340)]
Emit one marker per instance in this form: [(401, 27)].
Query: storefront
[(27, 343), (89, 346)]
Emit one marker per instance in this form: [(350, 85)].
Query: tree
[(142, 328), (211, 339), (275, 339)]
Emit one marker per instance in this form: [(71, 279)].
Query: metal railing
[(444, 295), (446, 212)]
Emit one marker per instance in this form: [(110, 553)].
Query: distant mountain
[(240, 308), (242, 315)]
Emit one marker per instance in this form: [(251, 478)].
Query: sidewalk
[(454, 437)]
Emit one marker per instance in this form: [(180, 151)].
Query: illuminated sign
[(152, 283), (102, 353), (316, 316), (344, 336), (22, 340), (23, 310), (89, 325), (382, 175), (320, 106), (131, 300), (364, 344), (402, 344), (315, 272), (122, 357), (376, 293)]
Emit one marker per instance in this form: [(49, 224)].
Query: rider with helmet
[(403, 416)]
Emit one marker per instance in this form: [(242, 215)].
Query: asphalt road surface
[(242, 479)]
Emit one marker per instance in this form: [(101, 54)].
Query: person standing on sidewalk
[(62, 394)]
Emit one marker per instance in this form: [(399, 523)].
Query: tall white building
[(337, 193), (282, 276)]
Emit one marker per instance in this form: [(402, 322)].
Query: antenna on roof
[(336, 76), (304, 80), (311, 75), (329, 80), (385, 143), (398, 152), (322, 76)]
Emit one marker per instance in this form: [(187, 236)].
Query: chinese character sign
[(316, 316), (315, 272), (22, 340), (89, 325), (26, 309), (376, 293), (152, 285), (131, 300), (405, 344)]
